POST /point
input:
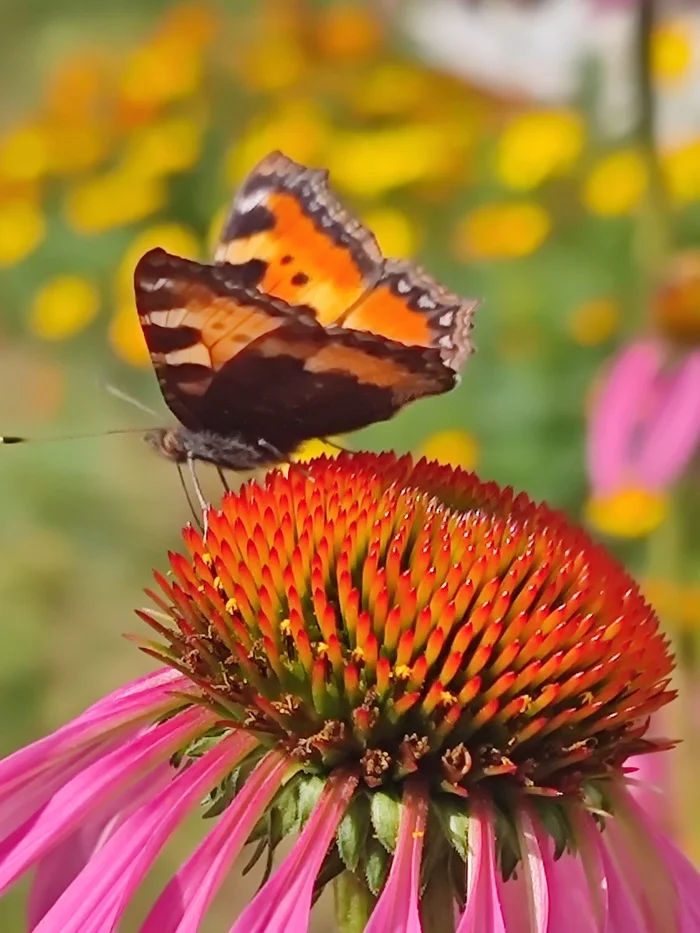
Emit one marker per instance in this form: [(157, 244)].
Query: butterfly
[(299, 329)]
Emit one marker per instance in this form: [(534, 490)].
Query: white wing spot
[(427, 303), (403, 286), (446, 342), (446, 319)]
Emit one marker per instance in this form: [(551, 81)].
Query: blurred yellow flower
[(393, 89), (594, 322), (502, 231), (170, 145), (616, 185), (274, 63), (396, 234), (454, 447), (127, 338), (73, 148), (672, 52), (629, 513), (316, 447), (373, 162), (24, 153), (681, 168), (63, 306), (299, 128), (195, 21), (22, 228), (76, 86), (111, 200), (348, 30), (167, 68), (536, 146)]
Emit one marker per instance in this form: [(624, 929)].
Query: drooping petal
[(617, 412), (483, 909), (639, 865), (396, 910), (98, 896), (140, 701), (673, 436), (64, 862), (525, 896), (684, 876), (94, 786), (283, 905), (572, 905), (183, 903)]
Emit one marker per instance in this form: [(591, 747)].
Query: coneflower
[(435, 683)]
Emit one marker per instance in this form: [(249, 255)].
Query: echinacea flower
[(645, 428), (435, 682)]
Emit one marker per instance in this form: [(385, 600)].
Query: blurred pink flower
[(644, 430), (645, 425)]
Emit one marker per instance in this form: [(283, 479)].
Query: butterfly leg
[(203, 504), (224, 481), (183, 483)]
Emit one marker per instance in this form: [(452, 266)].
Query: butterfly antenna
[(19, 439), (124, 397)]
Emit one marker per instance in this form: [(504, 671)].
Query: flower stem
[(353, 903), (437, 906), (654, 228)]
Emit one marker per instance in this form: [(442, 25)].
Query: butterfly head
[(169, 443)]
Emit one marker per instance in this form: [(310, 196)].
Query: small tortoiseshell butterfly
[(299, 329)]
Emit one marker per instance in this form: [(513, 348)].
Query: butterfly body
[(299, 329), (228, 451)]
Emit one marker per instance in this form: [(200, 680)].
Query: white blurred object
[(533, 51), (537, 51)]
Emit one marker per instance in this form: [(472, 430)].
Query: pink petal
[(483, 910), (641, 873), (617, 413), (283, 905), (65, 862), (572, 906), (525, 898), (93, 787), (140, 701), (674, 433), (684, 876), (396, 910), (183, 903), (98, 896)]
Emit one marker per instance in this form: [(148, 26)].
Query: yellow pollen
[(321, 649), (358, 655), (200, 588), (286, 627), (231, 605), (218, 585), (402, 672), (418, 833), (527, 702), (447, 698), (587, 698), (207, 559)]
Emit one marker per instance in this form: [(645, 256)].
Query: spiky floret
[(403, 618)]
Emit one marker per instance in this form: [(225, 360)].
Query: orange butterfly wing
[(295, 241)]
